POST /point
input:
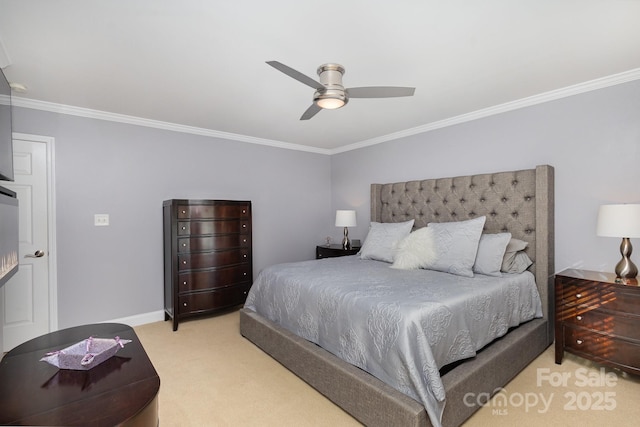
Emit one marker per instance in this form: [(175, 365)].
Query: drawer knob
[(184, 228), (184, 244), (244, 256), (184, 283), (183, 211), (579, 317), (244, 225), (579, 342), (578, 295), (244, 274), (184, 262), (184, 304)]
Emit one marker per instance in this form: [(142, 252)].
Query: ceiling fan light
[(330, 103)]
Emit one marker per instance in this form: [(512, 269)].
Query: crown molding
[(553, 95), (138, 121)]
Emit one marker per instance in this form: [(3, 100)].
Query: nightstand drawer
[(334, 251), (625, 326), (603, 348)]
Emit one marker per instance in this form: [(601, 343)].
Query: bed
[(518, 202)]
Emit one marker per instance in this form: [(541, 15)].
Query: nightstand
[(598, 319), (333, 251)]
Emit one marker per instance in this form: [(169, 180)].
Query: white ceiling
[(201, 64)]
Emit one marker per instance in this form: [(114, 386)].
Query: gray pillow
[(491, 250), (383, 239), (515, 259), (456, 245)]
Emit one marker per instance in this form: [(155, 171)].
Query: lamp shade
[(345, 218), (619, 220)]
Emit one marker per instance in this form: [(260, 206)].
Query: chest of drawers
[(598, 319), (207, 256)]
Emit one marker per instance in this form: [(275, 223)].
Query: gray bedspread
[(401, 326)]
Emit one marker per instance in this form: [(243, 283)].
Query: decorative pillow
[(515, 259), (491, 250), (456, 245), (415, 251), (383, 239)]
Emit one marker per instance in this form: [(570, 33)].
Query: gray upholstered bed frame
[(521, 202)]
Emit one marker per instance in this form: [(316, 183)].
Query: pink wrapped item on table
[(85, 354)]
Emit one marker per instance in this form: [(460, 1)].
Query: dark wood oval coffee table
[(123, 390)]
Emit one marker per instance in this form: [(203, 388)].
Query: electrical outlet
[(101, 220)]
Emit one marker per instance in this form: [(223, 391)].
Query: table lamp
[(621, 221), (346, 218)]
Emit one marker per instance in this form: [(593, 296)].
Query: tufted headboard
[(519, 202)]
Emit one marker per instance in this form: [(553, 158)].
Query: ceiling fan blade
[(311, 111), (380, 92), (296, 75)]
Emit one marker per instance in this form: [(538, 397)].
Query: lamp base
[(346, 243), (626, 269)]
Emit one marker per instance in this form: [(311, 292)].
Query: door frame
[(51, 222)]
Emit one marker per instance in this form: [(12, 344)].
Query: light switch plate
[(101, 220)]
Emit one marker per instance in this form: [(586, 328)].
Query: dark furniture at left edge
[(207, 256), (121, 391)]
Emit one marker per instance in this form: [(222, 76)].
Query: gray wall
[(105, 273), (592, 140), (126, 171)]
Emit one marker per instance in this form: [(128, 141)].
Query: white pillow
[(417, 250), (456, 245), (491, 251), (383, 239)]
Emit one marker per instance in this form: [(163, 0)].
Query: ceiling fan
[(331, 94)]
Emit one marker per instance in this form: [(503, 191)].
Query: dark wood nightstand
[(333, 251), (598, 319)]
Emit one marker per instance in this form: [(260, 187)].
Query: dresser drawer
[(220, 277), (205, 301), (222, 226), (612, 323), (622, 300), (579, 294), (602, 347), (213, 211), (213, 259), (228, 241)]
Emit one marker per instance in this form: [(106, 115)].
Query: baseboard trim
[(140, 319)]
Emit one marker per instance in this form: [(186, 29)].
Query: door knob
[(36, 254)]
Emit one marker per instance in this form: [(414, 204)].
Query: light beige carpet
[(211, 376)]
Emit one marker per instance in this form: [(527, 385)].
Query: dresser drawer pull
[(578, 295), (579, 317), (184, 262), (184, 304), (244, 274), (579, 342), (184, 283), (184, 228), (244, 225)]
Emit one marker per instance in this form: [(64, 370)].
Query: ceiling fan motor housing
[(331, 78)]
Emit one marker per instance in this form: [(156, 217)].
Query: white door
[(26, 294)]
